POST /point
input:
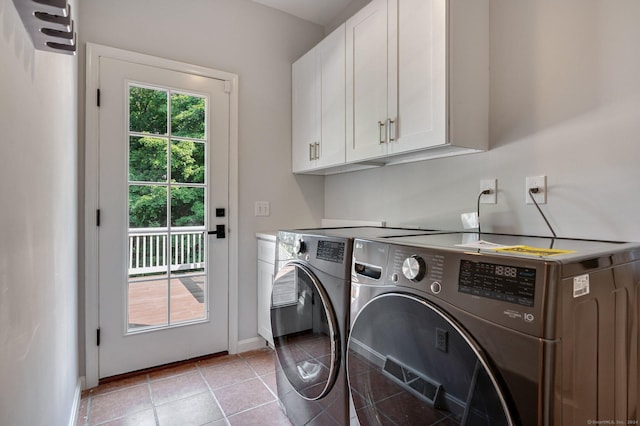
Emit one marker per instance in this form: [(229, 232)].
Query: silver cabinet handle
[(391, 130), (310, 152), (381, 134), (317, 150)]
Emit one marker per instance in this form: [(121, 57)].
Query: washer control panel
[(420, 270), (514, 284), (497, 288), (414, 268), (300, 246)]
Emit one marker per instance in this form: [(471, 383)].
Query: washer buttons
[(436, 287), (414, 268), (394, 278)]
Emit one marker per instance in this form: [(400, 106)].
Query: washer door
[(408, 363), (305, 331)]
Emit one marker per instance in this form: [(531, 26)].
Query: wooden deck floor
[(149, 301)]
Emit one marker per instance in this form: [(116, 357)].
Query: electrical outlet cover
[(539, 182), (492, 185)]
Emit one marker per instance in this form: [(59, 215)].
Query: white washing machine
[(511, 330)]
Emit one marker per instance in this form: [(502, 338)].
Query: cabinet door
[(331, 58), (367, 77), (305, 112), (421, 40), (265, 281)]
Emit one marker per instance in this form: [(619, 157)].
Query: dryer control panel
[(513, 284), (499, 289)]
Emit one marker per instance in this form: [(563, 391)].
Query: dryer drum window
[(305, 331), (409, 364)]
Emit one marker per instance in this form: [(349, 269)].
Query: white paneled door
[(163, 189)]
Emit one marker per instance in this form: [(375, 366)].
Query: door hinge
[(98, 97), (98, 217), (98, 337), (227, 86)]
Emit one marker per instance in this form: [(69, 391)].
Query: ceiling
[(321, 12)]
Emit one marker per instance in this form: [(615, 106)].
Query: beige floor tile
[(243, 396), (265, 415), (194, 410), (120, 403), (226, 374), (118, 384), (141, 418), (244, 386), (262, 363), (177, 387)]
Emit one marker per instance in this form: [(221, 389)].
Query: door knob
[(220, 231)]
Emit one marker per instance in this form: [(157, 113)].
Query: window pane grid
[(167, 267)]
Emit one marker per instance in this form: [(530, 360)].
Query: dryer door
[(305, 331), (408, 363)]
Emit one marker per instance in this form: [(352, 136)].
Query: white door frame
[(91, 301)]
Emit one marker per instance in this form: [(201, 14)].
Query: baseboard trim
[(75, 408), (252, 344)]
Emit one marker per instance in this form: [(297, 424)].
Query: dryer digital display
[(331, 251), (512, 284)]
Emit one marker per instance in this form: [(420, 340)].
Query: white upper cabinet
[(318, 80), (418, 90), (305, 112), (414, 79), (417, 79), (367, 82)]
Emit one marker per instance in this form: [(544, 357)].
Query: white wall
[(565, 102), (38, 238), (346, 13), (259, 44)]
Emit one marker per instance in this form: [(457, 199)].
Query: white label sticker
[(580, 285)]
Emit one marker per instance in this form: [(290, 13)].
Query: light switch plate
[(262, 208)]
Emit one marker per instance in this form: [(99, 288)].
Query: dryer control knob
[(414, 268), (300, 247)]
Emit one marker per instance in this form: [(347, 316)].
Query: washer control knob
[(436, 287), (414, 268), (300, 246)]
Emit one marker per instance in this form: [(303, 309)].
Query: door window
[(167, 282)]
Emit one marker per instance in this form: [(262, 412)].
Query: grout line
[(224, 415), (253, 408), (259, 376), (86, 421), (153, 404)]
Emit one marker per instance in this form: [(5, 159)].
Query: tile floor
[(227, 390)]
